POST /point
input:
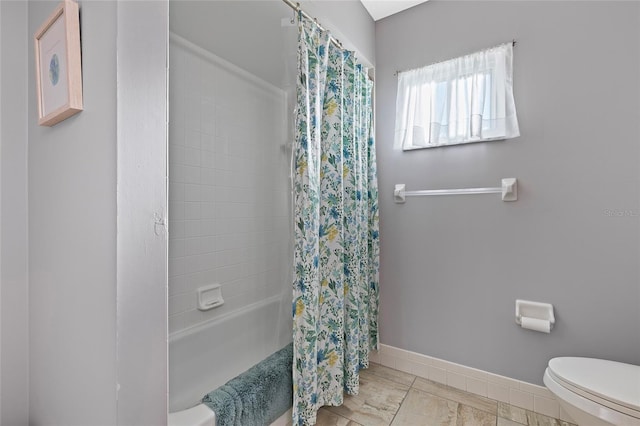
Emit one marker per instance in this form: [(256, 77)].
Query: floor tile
[(536, 419), (479, 402), (515, 414), (376, 404), (422, 408), (391, 397), (389, 374), (470, 416), (506, 422), (521, 416), (327, 418)]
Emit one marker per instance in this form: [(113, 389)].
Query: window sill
[(414, 148)]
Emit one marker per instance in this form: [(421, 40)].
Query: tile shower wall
[(229, 186)]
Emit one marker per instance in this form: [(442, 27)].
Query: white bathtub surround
[(229, 224), (200, 415), (229, 190), (236, 341), (504, 389)]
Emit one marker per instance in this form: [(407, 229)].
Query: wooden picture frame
[(59, 65)]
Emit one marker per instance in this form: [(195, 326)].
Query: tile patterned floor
[(392, 398)]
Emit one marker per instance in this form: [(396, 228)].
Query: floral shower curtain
[(335, 289)]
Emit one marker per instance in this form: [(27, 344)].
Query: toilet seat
[(607, 383)]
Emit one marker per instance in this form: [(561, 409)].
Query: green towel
[(258, 396), (224, 401)]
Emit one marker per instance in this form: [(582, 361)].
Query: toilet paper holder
[(534, 310)]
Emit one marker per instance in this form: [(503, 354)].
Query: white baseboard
[(515, 392), (501, 388)]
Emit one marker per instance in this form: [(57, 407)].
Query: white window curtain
[(467, 99)]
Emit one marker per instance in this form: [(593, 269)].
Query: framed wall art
[(58, 65)]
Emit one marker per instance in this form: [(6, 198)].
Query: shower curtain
[(336, 254)]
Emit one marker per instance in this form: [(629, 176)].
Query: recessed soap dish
[(210, 297)]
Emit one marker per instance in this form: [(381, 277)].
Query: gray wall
[(349, 22), (213, 25), (453, 266), (14, 320), (58, 226), (72, 237)]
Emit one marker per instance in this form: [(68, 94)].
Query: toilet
[(596, 392)]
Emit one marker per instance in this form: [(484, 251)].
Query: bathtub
[(204, 357)]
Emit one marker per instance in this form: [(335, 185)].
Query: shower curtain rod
[(296, 7)]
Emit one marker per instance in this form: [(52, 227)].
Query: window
[(463, 100)]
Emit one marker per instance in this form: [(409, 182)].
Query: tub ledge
[(200, 415)]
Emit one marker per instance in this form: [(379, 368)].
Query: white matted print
[(58, 65)]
